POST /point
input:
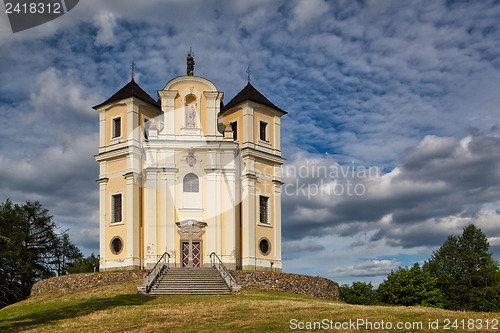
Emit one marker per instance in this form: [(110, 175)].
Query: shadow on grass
[(63, 310)]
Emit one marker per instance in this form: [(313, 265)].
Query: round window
[(264, 246), (116, 245)]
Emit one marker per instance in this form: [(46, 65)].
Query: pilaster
[(229, 255), (248, 124), (103, 183), (131, 135), (212, 207), (211, 113), (150, 222), (162, 222), (102, 130), (248, 222), (277, 134), (132, 222), (277, 220), (168, 199), (167, 98)]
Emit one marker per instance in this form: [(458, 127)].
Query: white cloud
[(62, 96), (306, 11), (305, 245), (442, 185), (106, 22), (368, 268), (494, 241), (361, 81)]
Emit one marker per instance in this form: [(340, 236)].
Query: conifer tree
[(467, 275), (31, 249)]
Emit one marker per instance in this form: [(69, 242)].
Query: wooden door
[(196, 254)]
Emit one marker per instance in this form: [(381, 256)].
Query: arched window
[(191, 183)]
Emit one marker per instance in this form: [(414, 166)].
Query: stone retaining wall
[(271, 281), (315, 286), (72, 282)]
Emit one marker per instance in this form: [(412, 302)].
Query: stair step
[(188, 288), (200, 285), (207, 284), (188, 282), (189, 293), (181, 280)]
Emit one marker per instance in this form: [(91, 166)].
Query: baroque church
[(188, 175)]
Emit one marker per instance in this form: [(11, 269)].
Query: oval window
[(264, 246), (116, 245)]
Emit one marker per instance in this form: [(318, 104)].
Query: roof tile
[(252, 94), (131, 89)]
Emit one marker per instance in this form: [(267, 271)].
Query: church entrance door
[(196, 254)]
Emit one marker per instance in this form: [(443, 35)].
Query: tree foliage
[(466, 273), (65, 255), (410, 286), (358, 293), (30, 250), (85, 265)]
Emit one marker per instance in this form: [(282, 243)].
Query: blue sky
[(407, 89)]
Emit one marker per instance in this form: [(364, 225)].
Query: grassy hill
[(117, 308)]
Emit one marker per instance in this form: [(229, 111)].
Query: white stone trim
[(162, 185), (248, 221), (132, 208), (189, 78), (119, 264), (213, 206), (167, 98), (258, 153), (102, 221), (213, 99), (277, 133), (168, 200), (230, 245), (277, 221), (102, 130), (150, 219)]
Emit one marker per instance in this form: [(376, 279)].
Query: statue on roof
[(190, 64)]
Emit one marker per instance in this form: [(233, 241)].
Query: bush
[(85, 265), (410, 287), (359, 293)]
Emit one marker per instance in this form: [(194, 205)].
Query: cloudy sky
[(392, 138)]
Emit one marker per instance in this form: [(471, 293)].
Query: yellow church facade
[(189, 176)]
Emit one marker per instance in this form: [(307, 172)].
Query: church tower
[(188, 176), (255, 123)]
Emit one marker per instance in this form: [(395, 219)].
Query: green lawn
[(117, 308)]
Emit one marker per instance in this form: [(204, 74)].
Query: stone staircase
[(182, 280)]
